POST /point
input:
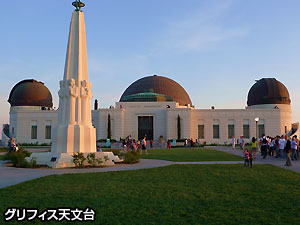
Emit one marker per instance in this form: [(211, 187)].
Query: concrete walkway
[(259, 160), (11, 175)]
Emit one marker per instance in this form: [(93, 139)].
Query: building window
[(246, 131), (216, 131), (261, 130), (34, 132), (201, 131), (230, 130), (48, 132)]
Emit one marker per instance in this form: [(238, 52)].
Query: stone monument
[(74, 131)]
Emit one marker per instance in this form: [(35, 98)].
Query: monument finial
[(78, 5)]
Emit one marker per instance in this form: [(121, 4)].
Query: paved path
[(11, 175), (259, 160)]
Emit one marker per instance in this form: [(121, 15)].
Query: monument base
[(65, 160), (74, 138)]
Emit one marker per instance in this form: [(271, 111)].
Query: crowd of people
[(191, 143), (283, 147), (130, 144)]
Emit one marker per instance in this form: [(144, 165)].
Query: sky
[(215, 49)]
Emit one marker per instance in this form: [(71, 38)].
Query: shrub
[(99, 161), (32, 163), (78, 159), (17, 158), (25, 164), (131, 157), (3, 149), (34, 144), (91, 159)]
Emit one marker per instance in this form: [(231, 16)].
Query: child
[(246, 157), (250, 158), (233, 143)]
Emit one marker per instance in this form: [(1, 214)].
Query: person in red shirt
[(246, 158)]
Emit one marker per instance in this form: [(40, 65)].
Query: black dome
[(156, 89), (268, 91), (30, 93)]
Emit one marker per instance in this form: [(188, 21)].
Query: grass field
[(195, 154), (177, 194)]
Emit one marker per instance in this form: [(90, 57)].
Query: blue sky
[(215, 49)]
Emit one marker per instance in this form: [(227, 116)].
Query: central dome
[(156, 89)]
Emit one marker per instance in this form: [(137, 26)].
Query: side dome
[(30, 93), (268, 91), (156, 89)]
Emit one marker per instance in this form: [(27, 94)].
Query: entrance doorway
[(145, 127)]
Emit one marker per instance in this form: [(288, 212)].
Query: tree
[(178, 127), (108, 127)]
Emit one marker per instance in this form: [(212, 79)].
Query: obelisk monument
[(74, 131)]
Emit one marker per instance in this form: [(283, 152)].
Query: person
[(294, 148), (185, 143), (254, 146), (268, 146), (99, 149), (191, 143), (13, 145), (264, 147), (124, 144), (297, 151), (277, 146), (241, 143), (246, 158), (272, 146), (151, 143), (134, 147), (9, 145), (282, 143), (233, 143), (287, 151), (144, 145), (168, 144), (251, 157), (138, 144)]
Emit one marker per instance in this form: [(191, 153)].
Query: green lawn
[(177, 194), (1, 157), (195, 154)]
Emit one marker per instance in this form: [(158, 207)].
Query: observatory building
[(157, 107)]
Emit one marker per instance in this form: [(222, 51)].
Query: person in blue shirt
[(99, 149), (294, 148)]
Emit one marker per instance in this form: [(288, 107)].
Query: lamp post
[(256, 127)]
